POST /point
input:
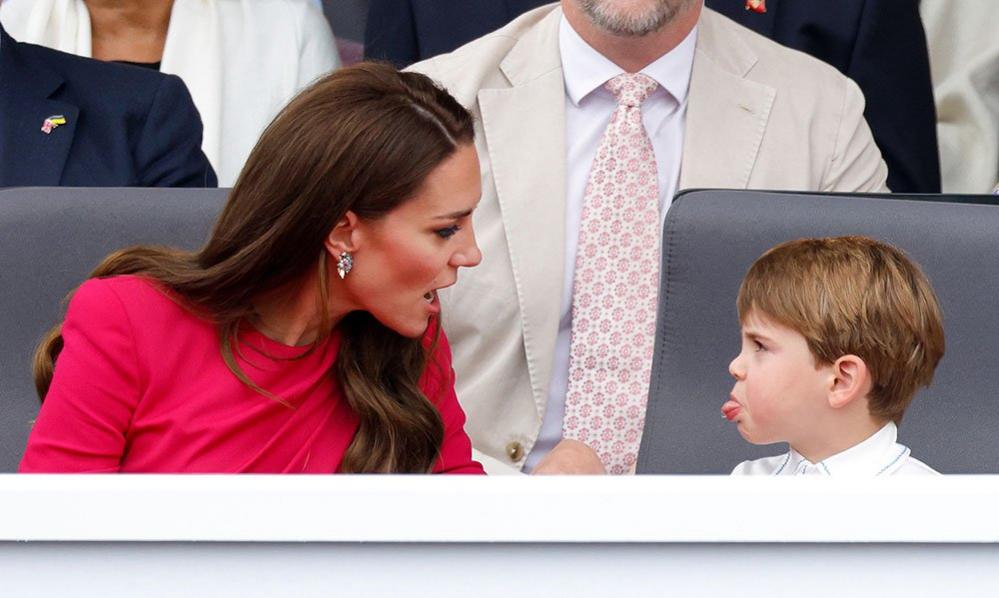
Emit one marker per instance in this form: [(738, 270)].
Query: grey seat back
[(710, 240), (50, 239)]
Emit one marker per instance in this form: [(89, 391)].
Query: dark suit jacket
[(408, 31), (125, 126), (880, 44)]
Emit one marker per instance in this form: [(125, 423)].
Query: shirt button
[(515, 451)]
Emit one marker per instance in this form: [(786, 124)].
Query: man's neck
[(633, 54)]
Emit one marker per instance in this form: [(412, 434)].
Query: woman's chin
[(412, 329)]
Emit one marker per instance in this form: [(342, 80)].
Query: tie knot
[(631, 89)]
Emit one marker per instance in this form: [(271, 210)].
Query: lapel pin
[(759, 6), (53, 122)]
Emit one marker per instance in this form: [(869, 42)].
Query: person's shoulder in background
[(407, 31), (316, 42), (135, 126)]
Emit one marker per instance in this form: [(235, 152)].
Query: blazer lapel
[(726, 113), (525, 135), (31, 156)]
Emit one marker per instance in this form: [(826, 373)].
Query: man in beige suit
[(732, 110)]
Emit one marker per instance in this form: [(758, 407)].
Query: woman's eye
[(447, 233)]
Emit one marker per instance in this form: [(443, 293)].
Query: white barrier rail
[(497, 509), (501, 536)]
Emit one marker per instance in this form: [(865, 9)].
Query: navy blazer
[(880, 44), (408, 31), (125, 126)]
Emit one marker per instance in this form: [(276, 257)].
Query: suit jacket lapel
[(727, 114), (31, 156), (525, 135)]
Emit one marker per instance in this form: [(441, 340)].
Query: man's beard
[(613, 20)]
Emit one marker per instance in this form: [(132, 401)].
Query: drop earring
[(344, 264)]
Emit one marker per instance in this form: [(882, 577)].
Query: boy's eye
[(758, 346), (447, 233)]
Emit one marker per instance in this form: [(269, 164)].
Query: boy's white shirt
[(879, 455)]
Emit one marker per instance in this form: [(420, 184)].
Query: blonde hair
[(853, 296)]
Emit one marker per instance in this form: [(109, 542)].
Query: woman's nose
[(468, 256)]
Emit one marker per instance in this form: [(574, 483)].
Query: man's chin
[(623, 23)]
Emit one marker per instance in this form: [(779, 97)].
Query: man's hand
[(570, 457)]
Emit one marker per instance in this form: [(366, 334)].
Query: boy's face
[(779, 392)]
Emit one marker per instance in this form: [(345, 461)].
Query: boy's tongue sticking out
[(730, 410)]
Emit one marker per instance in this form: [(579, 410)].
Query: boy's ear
[(851, 381), (345, 235)]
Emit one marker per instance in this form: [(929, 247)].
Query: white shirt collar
[(874, 456), (585, 69)]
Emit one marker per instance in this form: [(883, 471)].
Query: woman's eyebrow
[(454, 215)]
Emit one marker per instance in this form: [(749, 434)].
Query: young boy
[(837, 335)]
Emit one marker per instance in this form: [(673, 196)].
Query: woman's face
[(403, 258)]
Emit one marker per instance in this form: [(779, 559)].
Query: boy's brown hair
[(853, 296)]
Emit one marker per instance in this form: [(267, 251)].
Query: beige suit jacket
[(759, 116)]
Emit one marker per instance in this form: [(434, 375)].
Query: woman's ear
[(851, 381), (345, 236)]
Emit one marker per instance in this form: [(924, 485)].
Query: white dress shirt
[(588, 108), (879, 455)]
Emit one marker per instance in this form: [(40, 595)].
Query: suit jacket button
[(515, 451)]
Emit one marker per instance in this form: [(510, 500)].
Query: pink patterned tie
[(615, 286)]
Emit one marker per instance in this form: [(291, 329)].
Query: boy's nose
[(735, 367)]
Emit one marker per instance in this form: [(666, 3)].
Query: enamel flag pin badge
[(759, 6), (53, 122)]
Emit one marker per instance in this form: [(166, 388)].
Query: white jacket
[(963, 39)]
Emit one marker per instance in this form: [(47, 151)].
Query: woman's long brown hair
[(363, 138)]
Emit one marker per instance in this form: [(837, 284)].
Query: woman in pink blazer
[(304, 336)]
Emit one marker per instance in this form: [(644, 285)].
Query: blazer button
[(515, 451)]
